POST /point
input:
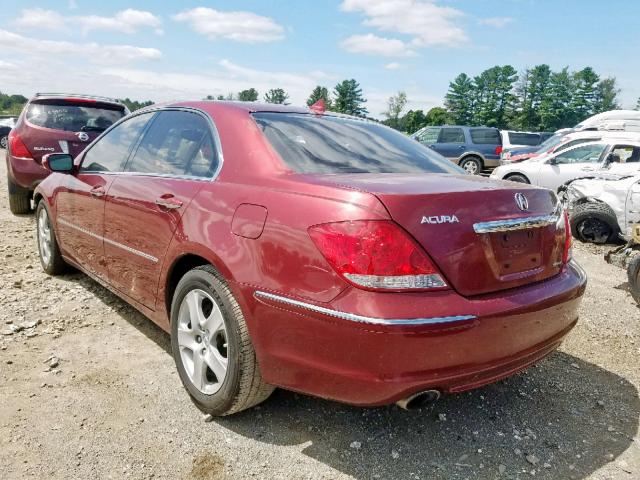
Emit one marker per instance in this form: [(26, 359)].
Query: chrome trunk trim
[(513, 224), (362, 319)]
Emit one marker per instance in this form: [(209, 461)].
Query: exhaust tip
[(419, 400)]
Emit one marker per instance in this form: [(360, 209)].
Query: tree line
[(537, 99)]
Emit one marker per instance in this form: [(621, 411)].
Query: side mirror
[(552, 161), (58, 162)]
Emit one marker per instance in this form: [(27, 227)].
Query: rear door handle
[(169, 202), (97, 192)]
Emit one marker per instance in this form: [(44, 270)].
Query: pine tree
[(277, 95), (555, 108), (531, 91), (349, 99), (583, 101), (606, 95), (459, 100)]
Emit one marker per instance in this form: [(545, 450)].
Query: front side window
[(110, 152), (73, 117), (329, 144), (585, 154), (177, 143), (625, 154), (451, 135), (429, 135)]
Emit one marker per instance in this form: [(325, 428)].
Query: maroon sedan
[(319, 253)]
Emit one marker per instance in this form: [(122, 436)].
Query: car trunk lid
[(472, 227)]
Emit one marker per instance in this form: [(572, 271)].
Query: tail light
[(498, 149), (564, 235), (17, 146), (376, 255)]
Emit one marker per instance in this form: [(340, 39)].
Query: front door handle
[(97, 192), (169, 202)]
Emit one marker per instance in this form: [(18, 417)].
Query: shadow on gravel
[(563, 418), (571, 415)]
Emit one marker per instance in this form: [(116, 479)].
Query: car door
[(451, 142), (174, 158), (624, 160), (429, 137), (573, 163), (80, 205)]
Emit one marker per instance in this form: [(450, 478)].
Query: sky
[(178, 50)]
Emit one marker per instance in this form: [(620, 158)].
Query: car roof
[(74, 96)]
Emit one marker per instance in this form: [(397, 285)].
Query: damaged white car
[(604, 207)]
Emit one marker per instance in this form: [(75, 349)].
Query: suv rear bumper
[(480, 341), (25, 172)]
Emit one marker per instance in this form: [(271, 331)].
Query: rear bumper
[(25, 172), (470, 343)]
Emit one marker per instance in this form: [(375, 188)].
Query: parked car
[(6, 124), (622, 120), (518, 154), (514, 139), (52, 122), (617, 156), (560, 142), (473, 148), (316, 252), (603, 208)]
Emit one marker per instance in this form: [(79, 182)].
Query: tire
[(517, 177), (472, 165), (633, 273), (222, 332), (4, 142), (48, 250), (19, 199), (594, 222)]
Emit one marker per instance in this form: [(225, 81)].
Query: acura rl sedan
[(325, 254)]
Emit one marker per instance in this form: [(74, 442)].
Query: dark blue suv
[(473, 148)]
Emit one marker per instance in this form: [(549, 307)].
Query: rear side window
[(451, 135), (327, 144), (73, 117), (519, 138), (110, 152), (486, 136), (177, 143)]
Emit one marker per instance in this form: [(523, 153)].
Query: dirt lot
[(88, 389)]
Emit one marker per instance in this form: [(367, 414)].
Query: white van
[(613, 120)]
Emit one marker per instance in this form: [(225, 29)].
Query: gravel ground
[(88, 389)]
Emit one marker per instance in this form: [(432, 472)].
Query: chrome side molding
[(512, 224), (362, 319)]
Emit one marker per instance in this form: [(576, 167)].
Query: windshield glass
[(327, 144), (71, 117), (549, 143)]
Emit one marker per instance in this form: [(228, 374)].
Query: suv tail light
[(17, 146), (376, 255), (498, 149)]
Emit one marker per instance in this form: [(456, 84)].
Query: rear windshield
[(519, 138), (72, 117), (486, 136), (326, 144)]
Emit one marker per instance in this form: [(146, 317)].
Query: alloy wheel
[(471, 167), (202, 340), (44, 236), (3, 142)]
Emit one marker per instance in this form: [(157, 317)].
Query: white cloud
[(427, 23), (125, 21), (371, 44), (40, 19), (246, 27), (496, 22), (94, 52), (392, 66)]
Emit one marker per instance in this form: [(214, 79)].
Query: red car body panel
[(251, 223)]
